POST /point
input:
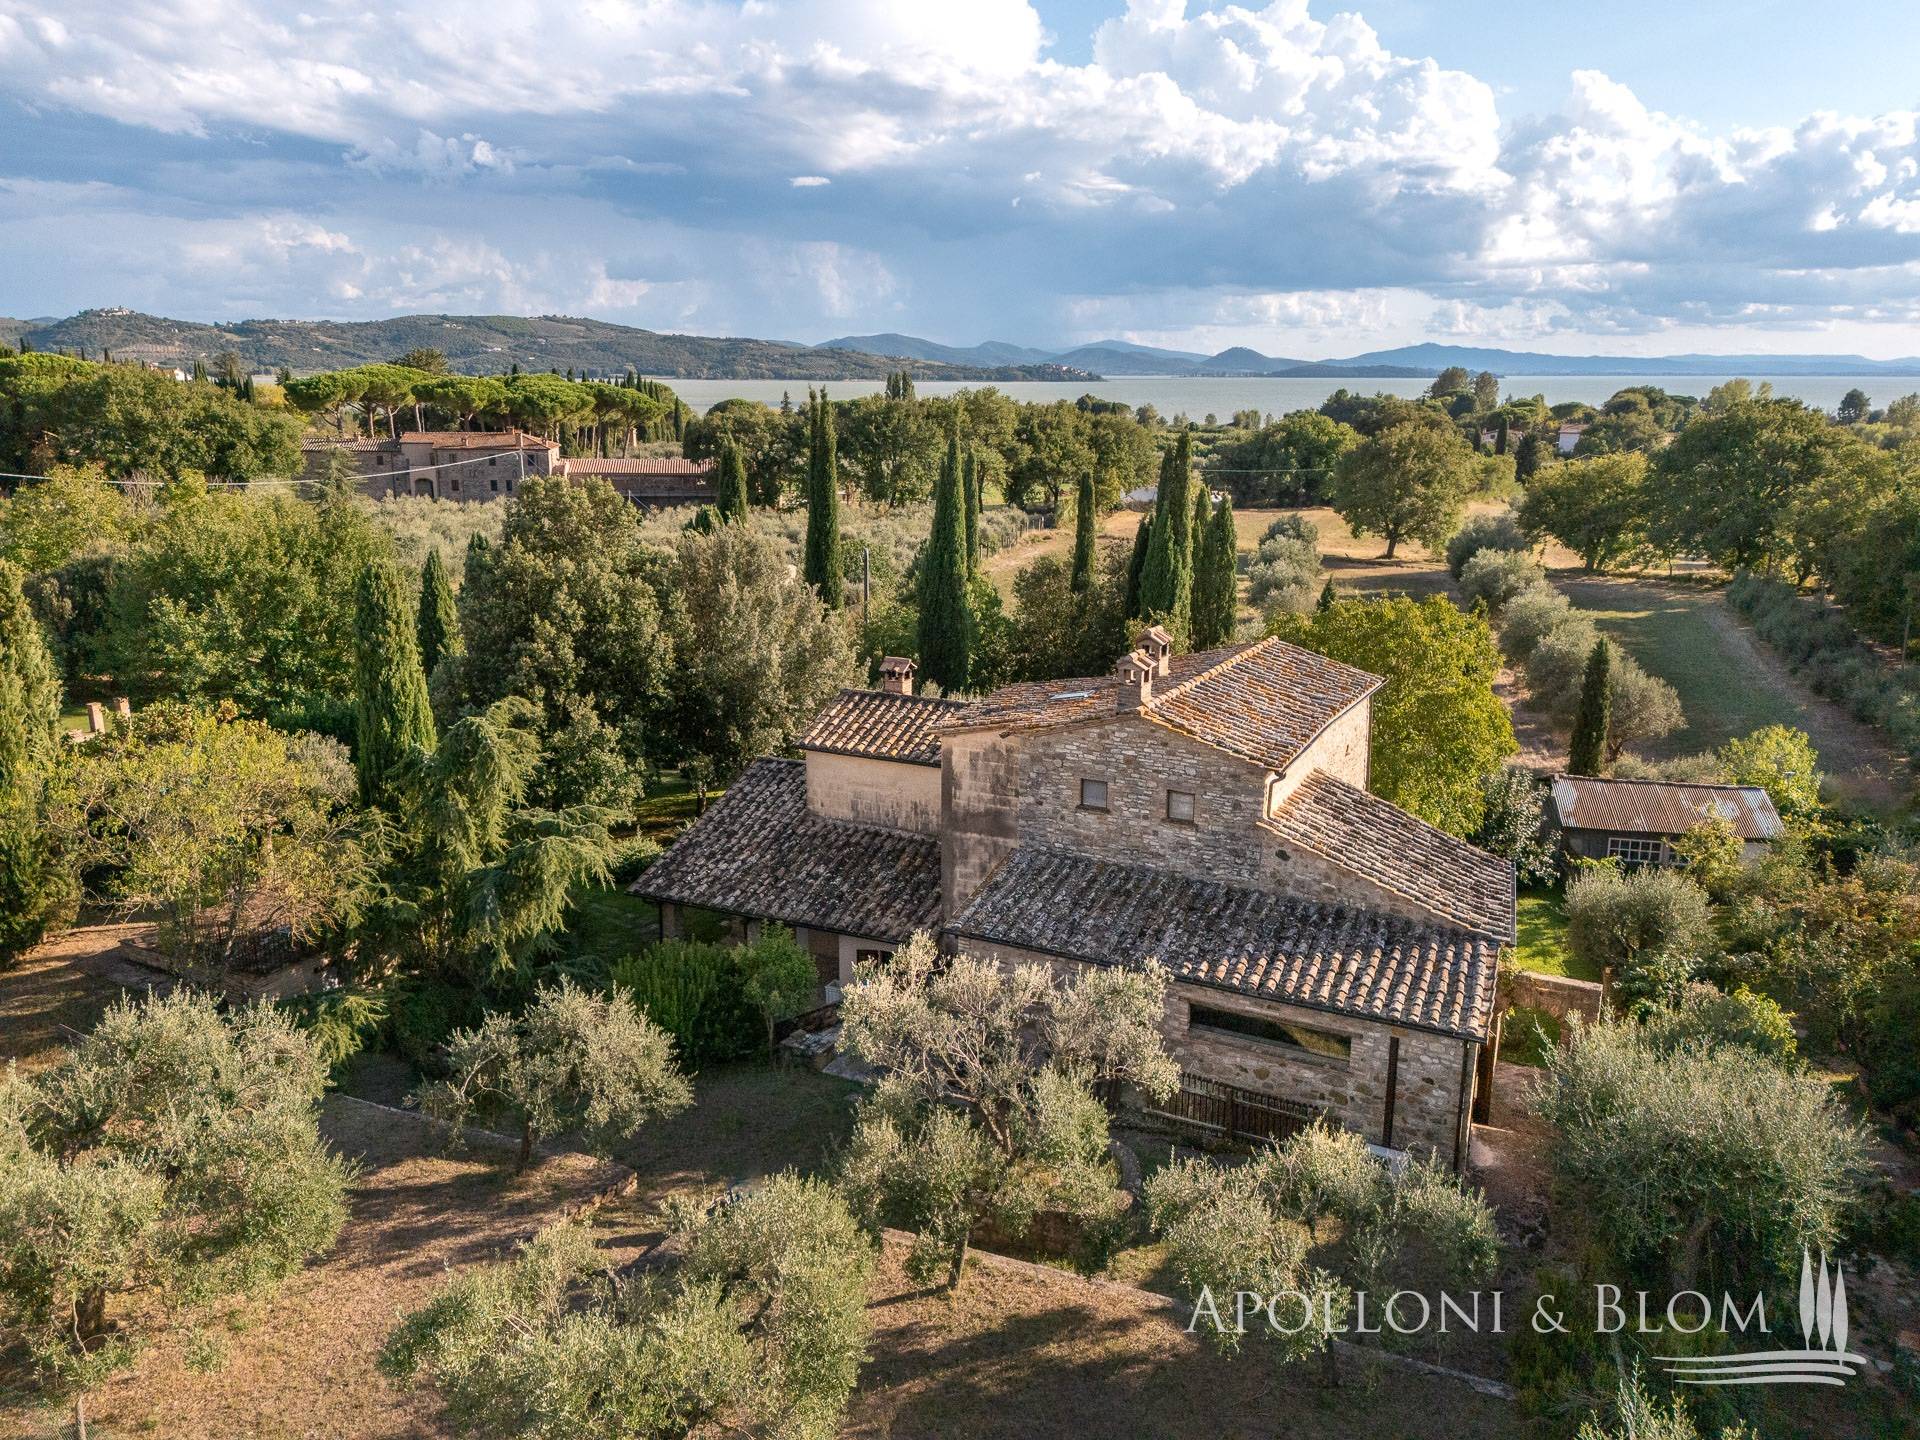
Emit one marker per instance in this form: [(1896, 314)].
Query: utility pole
[(866, 583)]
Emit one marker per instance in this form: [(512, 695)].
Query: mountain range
[(488, 345), (491, 344)]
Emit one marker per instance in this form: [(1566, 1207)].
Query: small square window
[(1180, 806), (1093, 794)]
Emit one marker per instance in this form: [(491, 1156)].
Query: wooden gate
[(1221, 1111)]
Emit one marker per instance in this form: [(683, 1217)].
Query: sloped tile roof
[(881, 725), (1334, 958), (1662, 807), (759, 852), (476, 440), (1263, 702), (1379, 841), (637, 465)]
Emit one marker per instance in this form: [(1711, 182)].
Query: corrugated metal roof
[(1661, 807)]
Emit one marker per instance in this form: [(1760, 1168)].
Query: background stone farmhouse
[(1329, 953), (489, 464)]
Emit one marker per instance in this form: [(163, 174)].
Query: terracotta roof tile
[(759, 852), (881, 725), (1334, 958), (1380, 842), (1264, 702), (639, 465)]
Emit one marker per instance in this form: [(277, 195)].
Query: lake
[(1198, 397)]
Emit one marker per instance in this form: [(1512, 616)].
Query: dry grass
[(302, 1364), (1022, 1351), (61, 989)]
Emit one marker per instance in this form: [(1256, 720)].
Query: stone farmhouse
[(489, 464), (1330, 955)]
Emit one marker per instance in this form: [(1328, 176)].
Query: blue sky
[(1654, 178)]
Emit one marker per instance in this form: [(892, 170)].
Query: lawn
[(1542, 944), (1680, 634)]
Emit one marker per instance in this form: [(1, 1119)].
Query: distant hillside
[(991, 352), (1429, 358), (1241, 361), (1109, 360), (486, 344)]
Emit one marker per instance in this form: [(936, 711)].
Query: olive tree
[(1650, 925), (173, 1154), (574, 1062), (988, 1111), (1697, 1167), (758, 1327), (1257, 1227)]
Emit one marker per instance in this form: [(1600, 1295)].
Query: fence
[(1220, 1111)]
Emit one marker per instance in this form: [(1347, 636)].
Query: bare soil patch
[(302, 1364), (1021, 1351), (63, 987)]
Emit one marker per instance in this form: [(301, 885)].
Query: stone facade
[(1140, 762), (874, 792), (1430, 1107), (979, 803), (1343, 750)]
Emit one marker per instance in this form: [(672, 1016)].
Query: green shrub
[(1498, 531), (1497, 576), (1711, 1018), (718, 1001), (632, 856), (692, 990), (425, 1013)]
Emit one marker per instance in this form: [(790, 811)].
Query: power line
[(270, 482)]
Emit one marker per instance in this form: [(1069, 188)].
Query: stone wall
[(979, 797), (1287, 869), (1558, 995), (874, 792), (1140, 762), (1428, 1109), (1343, 750)]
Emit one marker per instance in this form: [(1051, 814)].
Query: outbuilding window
[(1323, 1043), (1636, 849), (1180, 806), (1093, 794)]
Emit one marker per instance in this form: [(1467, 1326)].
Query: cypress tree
[(29, 687), (1083, 518), (36, 890), (390, 713), (1166, 587), (1197, 541), (823, 502), (1502, 435), (946, 622), (1137, 564), (1216, 591), (730, 492), (1326, 596), (1587, 755), (439, 623), (970, 483)]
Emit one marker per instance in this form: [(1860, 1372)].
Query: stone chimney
[(1136, 682), (1157, 645), (896, 675), (123, 707), (96, 718)]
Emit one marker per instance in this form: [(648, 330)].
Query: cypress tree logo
[(1823, 1359)]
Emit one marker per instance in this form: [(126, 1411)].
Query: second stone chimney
[(1157, 645), (1136, 672), (896, 675)]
